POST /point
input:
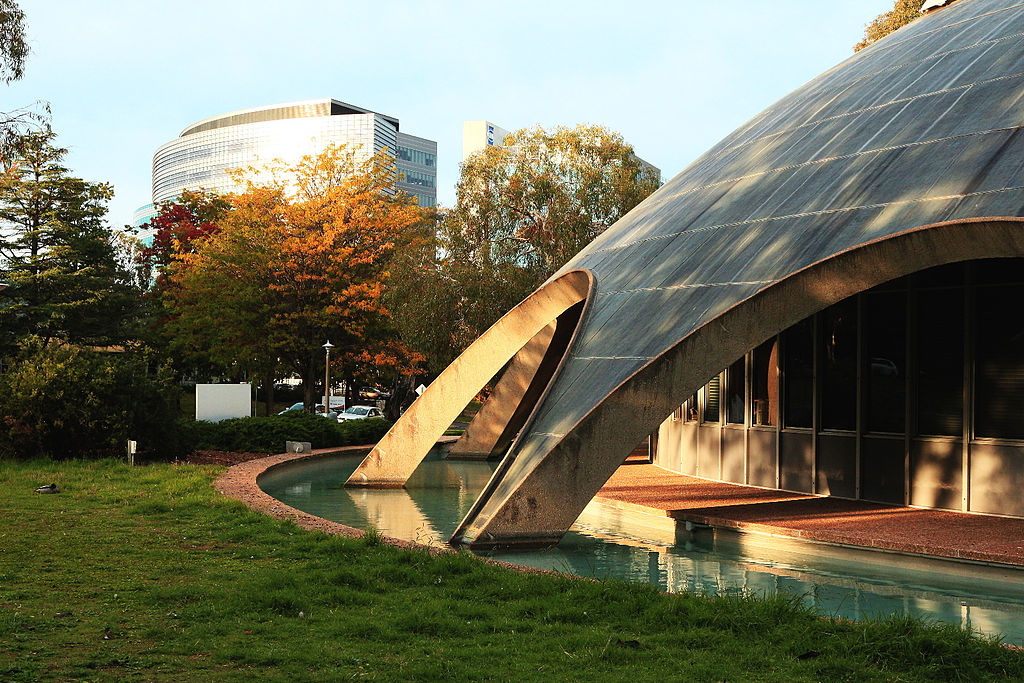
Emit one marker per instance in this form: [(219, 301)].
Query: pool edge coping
[(241, 482)]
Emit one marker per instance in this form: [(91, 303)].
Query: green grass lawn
[(148, 574)]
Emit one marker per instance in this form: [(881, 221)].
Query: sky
[(123, 77)]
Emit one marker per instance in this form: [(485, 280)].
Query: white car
[(359, 413)]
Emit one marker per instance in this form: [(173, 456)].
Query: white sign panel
[(216, 402)]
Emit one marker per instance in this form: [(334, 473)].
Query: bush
[(268, 434), (61, 401)]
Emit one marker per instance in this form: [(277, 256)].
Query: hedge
[(268, 434)]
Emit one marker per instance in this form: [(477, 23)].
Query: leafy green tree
[(522, 211), (61, 261), (902, 13)]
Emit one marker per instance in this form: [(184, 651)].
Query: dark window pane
[(999, 380), (949, 275), (765, 384), (885, 351), (940, 353), (735, 382), (999, 271), (712, 394), (839, 366), (798, 342)]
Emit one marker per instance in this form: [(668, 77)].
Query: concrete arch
[(503, 415), (539, 506), (401, 450), (489, 433)]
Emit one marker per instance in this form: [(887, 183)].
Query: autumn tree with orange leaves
[(294, 263)]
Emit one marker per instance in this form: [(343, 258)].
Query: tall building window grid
[(205, 152)]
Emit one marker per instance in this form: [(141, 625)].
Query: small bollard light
[(132, 445)]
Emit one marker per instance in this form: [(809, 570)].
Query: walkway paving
[(856, 523)]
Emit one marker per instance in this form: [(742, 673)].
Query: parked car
[(319, 410), (360, 413)]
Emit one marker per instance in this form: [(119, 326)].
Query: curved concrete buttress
[(487, 432), (540, 494), (503, 415), (401, 450)]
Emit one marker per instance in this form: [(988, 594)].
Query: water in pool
[(837, 582)]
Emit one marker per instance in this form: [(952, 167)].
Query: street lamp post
[(327, 377)]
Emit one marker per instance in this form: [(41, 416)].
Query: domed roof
[(918, 131)]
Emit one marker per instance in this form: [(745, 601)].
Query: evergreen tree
[(57, 255)]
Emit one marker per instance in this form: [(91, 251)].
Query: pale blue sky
[(124, 76)]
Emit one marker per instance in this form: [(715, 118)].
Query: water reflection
[(836, 582)]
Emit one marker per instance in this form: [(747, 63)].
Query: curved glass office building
[(201, 156)]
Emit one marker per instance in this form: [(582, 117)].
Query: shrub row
[(268, 434), (61, 401)]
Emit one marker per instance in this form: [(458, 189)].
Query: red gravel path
[(913, 530)]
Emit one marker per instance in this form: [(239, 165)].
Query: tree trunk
[(351, 396), (402, 394), (268, 391)]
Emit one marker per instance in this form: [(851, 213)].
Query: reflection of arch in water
[(552, 313), (394, 511)]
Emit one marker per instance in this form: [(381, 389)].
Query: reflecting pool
[(840, 582)]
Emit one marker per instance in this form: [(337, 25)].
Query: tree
[(294, 264), (902, 13), (13, 52), (522, 211), (13, 47), (58, 256), (64, 401), (177, 227)]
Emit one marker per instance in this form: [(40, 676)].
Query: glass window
[(885, 344), (735, 384), (690, 409), (999, 364), (798, 392), (949, 275), (940, 359), (765, 384), (712, 395), (839, 366)]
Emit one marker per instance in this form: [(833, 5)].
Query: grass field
[(147, 574)]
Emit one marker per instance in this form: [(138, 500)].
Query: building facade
[(478, 135), (204, 152), (909, 393)]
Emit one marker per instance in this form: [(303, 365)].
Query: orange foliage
[(300, 261)]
